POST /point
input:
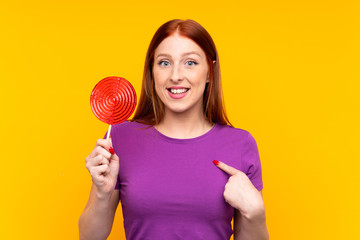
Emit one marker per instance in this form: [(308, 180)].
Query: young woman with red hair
[(179, 168)]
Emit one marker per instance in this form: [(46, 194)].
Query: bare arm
[(251, 227), (97, 218)]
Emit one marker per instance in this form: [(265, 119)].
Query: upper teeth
[(175, 91)]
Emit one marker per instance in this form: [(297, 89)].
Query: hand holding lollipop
[(112, 100)]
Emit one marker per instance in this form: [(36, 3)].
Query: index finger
[(226, 168), (102, 143)]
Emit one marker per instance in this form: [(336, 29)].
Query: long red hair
[(150, 109)]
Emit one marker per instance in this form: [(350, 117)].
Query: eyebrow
[(182, 55)]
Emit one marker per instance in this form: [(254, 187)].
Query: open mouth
[(178, 90)]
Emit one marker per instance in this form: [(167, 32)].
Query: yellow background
[(291, 78)]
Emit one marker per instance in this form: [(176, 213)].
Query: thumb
[(110, 140), (114, 160), (226, 168), (114, 165), (111, 150)]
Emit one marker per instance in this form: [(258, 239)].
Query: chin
[(181, 108), (178, 110)]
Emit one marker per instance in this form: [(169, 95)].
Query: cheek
[(200, 77), (159, 76), (158, 88), (159, 83)]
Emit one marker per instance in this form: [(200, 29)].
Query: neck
[(183, 125)]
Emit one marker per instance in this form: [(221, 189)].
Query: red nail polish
[(216, 162), (111, 150)]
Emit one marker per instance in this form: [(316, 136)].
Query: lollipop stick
[(108, 133)]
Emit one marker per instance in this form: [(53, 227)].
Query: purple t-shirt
[(170, 188)]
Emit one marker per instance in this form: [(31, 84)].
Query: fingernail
[(216, 162), (111, 150)]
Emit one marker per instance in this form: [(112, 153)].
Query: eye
[(163, 63), (191, 63)]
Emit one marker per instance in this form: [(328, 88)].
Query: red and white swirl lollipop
[(113, 100)]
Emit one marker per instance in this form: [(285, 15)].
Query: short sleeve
[(117, 185), (251, 158)]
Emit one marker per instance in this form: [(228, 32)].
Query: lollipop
[(113, 100)]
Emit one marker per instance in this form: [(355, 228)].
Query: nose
[(176, 74)]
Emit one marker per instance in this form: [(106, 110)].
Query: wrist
[(254, 214), (103, 196)]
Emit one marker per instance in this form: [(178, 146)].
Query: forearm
[(96, 220), (251, 227)]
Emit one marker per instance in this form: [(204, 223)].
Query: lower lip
[(178, 96)]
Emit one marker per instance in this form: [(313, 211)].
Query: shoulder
[(128, 128), (129, 125), (234, 133)]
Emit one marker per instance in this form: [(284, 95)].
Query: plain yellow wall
[(291, 78)]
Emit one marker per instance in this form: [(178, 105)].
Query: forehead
[(177, 45)]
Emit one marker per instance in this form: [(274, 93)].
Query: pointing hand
[(239, 192)]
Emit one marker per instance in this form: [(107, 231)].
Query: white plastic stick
[(108, 133)]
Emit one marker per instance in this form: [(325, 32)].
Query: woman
[(160, 165)]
